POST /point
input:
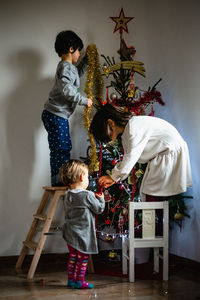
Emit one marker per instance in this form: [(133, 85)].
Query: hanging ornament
[(113, 96), (121, 221), (112, 210), (121, 187), (112, 254), (113, 162), (105, 69), (178, 216), (124, 211), (107, 221), (107, 196), (139, 173), (131, 91), (109, 238)]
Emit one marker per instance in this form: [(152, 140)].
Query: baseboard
[(184, 262), (47, 258), (61, 259)]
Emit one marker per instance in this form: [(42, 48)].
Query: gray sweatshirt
[(79, 228), (64, 95)]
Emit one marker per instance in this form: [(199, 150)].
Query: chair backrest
[(148, 218)]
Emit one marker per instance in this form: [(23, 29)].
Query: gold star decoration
[(121, 22)]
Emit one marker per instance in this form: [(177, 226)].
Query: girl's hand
[(99, 195), (89, 102), (106, 181)]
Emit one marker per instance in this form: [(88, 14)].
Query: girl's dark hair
[(99, 123), (65, 40)]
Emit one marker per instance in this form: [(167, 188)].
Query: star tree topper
[(121, 22)]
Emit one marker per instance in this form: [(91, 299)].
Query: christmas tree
[(122, 92)]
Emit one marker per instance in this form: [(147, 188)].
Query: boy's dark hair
[(65, 40), (71, 171), (99, 124)]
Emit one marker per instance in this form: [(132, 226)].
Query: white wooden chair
[(148, 240)]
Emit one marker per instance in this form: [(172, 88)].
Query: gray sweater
[(79, 228), (64, 95)]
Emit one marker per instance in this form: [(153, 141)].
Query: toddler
[(79, 228)]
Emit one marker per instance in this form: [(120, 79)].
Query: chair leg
[(124, 257), (156, 259), (165, 263), (131, 264)]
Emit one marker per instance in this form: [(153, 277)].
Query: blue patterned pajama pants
[(59, 142)]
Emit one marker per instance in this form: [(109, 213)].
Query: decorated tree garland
[(93, 89)]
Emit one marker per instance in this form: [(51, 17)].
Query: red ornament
[(121, 22), (112, 209), (121, 187), (103, 102), (107, 221), (113, 162)]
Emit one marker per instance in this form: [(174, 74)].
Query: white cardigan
[(155, 141)]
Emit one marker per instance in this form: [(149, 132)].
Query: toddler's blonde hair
[(71, 171)]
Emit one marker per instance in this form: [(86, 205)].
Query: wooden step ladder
[(49, 199)]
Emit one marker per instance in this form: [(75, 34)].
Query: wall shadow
[(24, 105)]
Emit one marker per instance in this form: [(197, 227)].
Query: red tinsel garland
[(136, 105), (99, 187)]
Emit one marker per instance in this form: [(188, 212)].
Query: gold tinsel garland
[(93, 89)]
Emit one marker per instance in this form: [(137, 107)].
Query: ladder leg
[(90, 265), (43, 237), (32, 230)]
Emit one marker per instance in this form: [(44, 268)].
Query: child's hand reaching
[(106, 181), (89, 102), (99, 195)]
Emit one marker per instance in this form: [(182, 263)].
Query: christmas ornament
[(121, 187), (105, 70), (109, 238), (125, 211), (107, 196), (178, 216), (139, 173), (107, 221), (112, 254), (121, 221), (113, 96), (113, 162), (121, 22), (131, 92)]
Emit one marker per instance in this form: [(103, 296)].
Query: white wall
[(166, 37)]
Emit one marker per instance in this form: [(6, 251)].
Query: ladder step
[(30, 244), (40, 217)]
